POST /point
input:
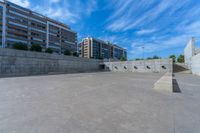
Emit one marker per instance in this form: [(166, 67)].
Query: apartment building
[(99, 49), (118, 52), (18, 24)]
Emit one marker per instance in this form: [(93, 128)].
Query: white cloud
[(122, 6), (126, 14), (158, 46), (54, 1), (192, 28), (92, 5), (61, 14), (23, 3), (133, 14), (145, 31), (184, 32), (150, 15), (67, 11), (117, 25), (110, 38), (173, 22), (53, 9)]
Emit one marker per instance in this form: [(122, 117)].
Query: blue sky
[(162, 27)]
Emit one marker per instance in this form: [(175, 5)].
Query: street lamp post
[(143, 56), (143, 52)]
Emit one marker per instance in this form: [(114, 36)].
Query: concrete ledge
[(31, 54), (164, 84)]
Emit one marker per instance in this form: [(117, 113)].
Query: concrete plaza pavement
[(98, 103), (186, 104)]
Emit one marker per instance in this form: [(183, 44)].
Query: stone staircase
[(180, 68)]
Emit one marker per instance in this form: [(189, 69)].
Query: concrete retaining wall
[(192, 57), (23, 63), (159, 65), (195, 65), (197, 50), (189, 51)]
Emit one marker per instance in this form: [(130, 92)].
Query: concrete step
[(164, 84), (180, 68)]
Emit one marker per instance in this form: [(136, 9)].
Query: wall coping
[(41, 55)]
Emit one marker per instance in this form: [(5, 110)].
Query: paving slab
[(186, 104), (95, 103)]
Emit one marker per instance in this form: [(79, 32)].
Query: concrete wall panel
[(23, 63), (189, 51), (196, 64), (160, 65)]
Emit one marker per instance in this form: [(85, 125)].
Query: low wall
[(158, 65), (24, 63), (195, 65)]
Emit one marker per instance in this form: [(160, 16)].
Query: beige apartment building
[(99, 49)]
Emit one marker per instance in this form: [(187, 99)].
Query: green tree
[(122, 58), (156, 57), (36, 47), (20, 46), (173, 57), (75, 54), (67, 52), (181, 59), (49, 50), (101, 57), (138, 59), (149, 58)]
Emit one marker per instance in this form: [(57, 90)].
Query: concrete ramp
[(164, 84)]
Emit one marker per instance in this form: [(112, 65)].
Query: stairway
[(180, 68)]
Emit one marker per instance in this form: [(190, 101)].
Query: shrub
[(181, 59), (149, 58), (36, 47), (156, 57), (139, 59), (20, 46), (173, 57), (49, 50), (67, 52), (123, 59), (101, 57), (75, 54)]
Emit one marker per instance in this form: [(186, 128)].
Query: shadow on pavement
[(178, 68), (176, 88)]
